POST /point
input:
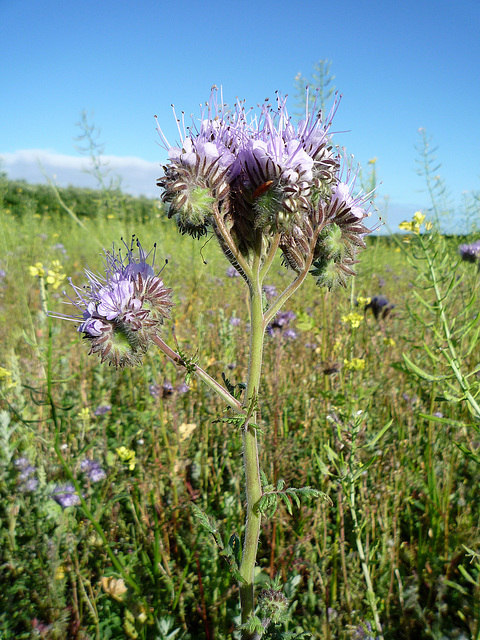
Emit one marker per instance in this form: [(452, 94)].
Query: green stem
[(452, 357), (253, 485), (200, 373), (293, 286), (364, 563)]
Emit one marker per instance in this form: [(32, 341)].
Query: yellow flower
[(356, 364), (84, 414), (60, 572), (415, 223), (4, 374), (362, 302), (390, 342), (353, 319), (37, 270), (53, 277), (127, 456)]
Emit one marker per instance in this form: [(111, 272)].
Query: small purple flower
[(102, 409), (22, 462), (270, 291), (364, 632), (279, 325), (182, 388), (167, 389), (3, 274), (154, 390), (27, 482), (235, 322), (93, 470), (26, 472), (290, 334), (65, 495), (283, 318), (379, 306), (470, 252), (59, 247), (29, 486), (232, 272)]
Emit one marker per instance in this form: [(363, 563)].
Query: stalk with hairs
[(259, 184)]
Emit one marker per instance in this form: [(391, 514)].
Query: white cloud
[(137, 177), (35, 165)]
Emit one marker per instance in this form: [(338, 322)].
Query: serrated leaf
[(287, 502), (204, 519)]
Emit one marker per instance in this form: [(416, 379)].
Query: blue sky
[(399, 65)]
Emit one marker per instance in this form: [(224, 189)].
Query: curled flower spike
[(122, 311), (258, 181)]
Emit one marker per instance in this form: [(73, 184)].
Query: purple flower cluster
[(379, 306), (65, 495), (280, 325), (470, 252), (92, 470), (27, 481), (167, 389), (122, 311), (261, 176)]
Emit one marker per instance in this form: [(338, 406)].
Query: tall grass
[(368, 414)]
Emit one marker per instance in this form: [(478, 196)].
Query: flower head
[(380, 307), (470, 252), (65, 495), (93, 470), (122, 311), (255, 177)]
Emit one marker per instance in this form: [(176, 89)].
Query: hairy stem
[(200, 373), (253, 487)]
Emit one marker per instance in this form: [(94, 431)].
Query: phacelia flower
[(280, 325), (252, 177), (102, 409), (65, 495), (380, 307), (93, 470), (27, 480), (470, 252), (122, 311)]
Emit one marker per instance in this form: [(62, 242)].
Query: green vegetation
[(379, 414)]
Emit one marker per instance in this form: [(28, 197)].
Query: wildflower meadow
[(241, 410)]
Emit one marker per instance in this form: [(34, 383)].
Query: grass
[(393, 449)]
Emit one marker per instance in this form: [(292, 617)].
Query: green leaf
[(322, 466), (304, 322), (421, 373), (287, 502), (377, 436)]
